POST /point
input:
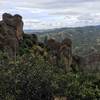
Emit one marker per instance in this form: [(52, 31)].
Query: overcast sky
[(47, 14)]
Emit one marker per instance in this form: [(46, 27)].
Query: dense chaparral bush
[(34, 78)]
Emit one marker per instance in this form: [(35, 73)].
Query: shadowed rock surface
[(61, 51), (11, 30)]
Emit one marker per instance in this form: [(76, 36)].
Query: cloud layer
[(46, 14)]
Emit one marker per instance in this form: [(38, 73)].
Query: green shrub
[(33, 78)]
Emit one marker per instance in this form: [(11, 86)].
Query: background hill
[(85, 39)]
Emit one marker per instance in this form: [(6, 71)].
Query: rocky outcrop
[(11, 30), (92, 62), (61, 51)]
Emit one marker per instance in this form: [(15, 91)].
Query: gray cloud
[(53, 4), (54, 13)]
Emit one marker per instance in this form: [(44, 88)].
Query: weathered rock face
[(78, 63), (53, 44), (88, 63), (92, 62), (61, 51), (11, 30)]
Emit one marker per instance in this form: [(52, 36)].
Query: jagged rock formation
[(92, 61), (66, 53), (61, 52), (11, 30), (78, 63), (88, 63)]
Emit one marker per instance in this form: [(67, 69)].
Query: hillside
[(32, 70), (85, 39)]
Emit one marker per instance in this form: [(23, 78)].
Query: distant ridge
[(85, 39), (30, 31)]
